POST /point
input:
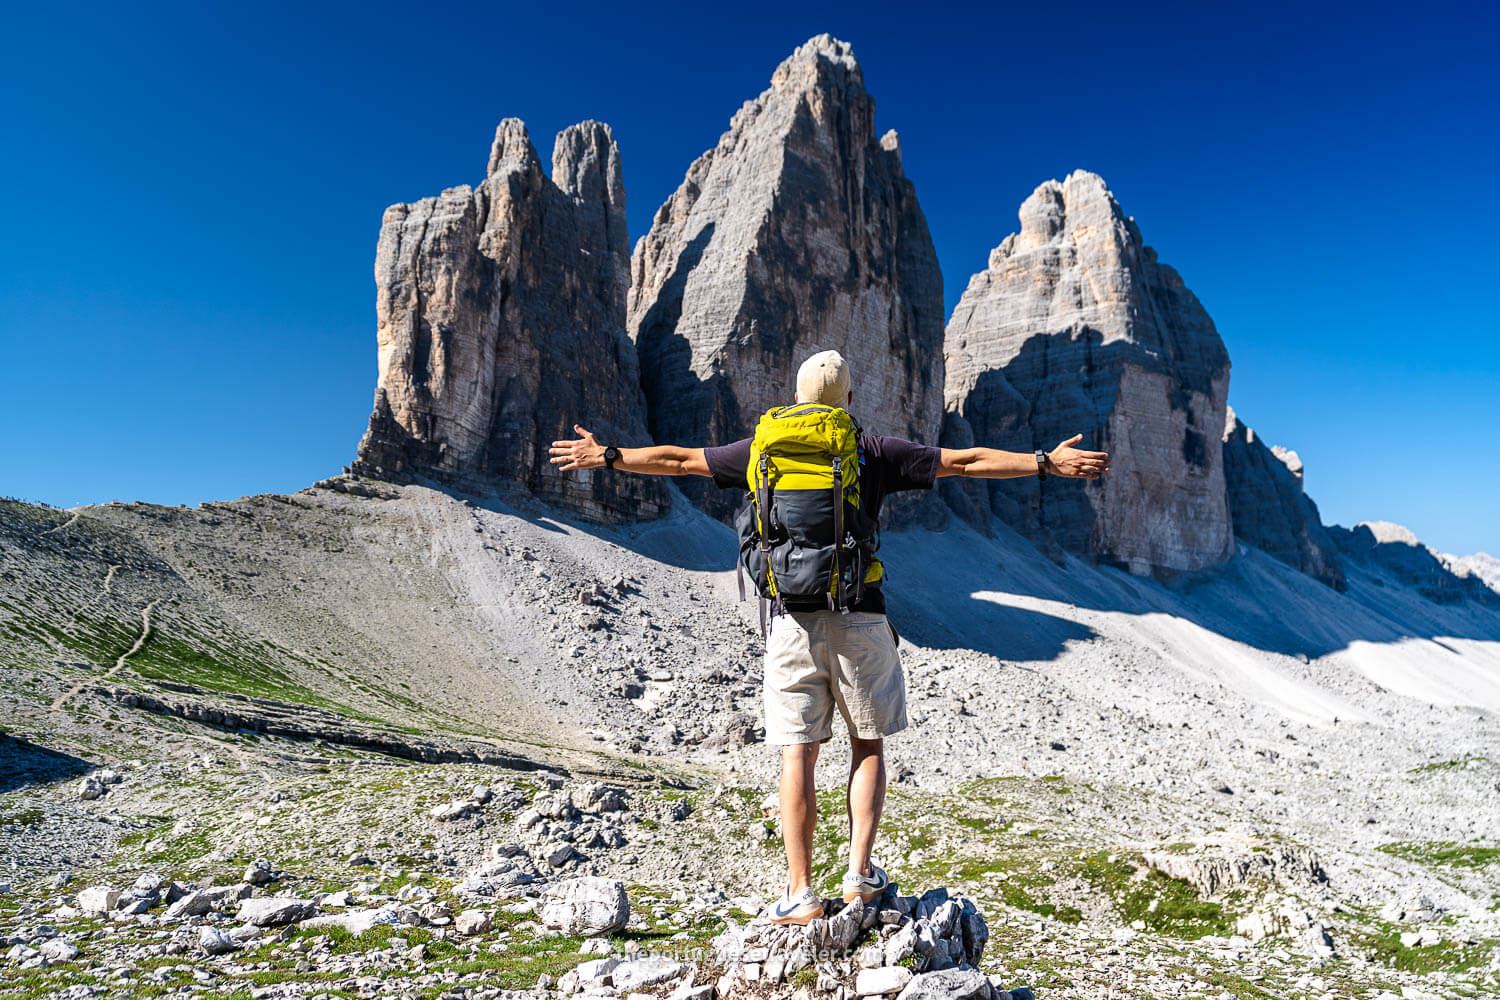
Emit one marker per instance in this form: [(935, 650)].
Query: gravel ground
[(1242, 785)]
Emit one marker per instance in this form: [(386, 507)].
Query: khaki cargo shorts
[(816, 660)]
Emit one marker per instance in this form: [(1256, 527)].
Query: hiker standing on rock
[(807, 540)]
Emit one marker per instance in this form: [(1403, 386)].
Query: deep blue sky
[(186, 296)]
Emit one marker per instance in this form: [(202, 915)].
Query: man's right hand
[(1066, 460), (584, 452)]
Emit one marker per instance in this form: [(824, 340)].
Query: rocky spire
[(1269, 508), (797, 232), (1076, 327), (501, 322)]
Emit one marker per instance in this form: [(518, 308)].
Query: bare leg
[(866, 799), (799, 812)]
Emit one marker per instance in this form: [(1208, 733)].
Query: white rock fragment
[(258, 872), (213, 941), (274, 911), (471, 922), (98, 899), (194, 904), (586, 905), (885, 979)]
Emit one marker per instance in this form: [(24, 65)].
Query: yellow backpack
[(805, 538)]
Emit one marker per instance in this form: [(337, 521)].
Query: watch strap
[(1041, 464)]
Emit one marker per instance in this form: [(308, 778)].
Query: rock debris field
[(315, 778)]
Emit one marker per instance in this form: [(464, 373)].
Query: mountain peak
[(824, 50)]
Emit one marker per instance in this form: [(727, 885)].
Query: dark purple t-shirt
[(892, 464)]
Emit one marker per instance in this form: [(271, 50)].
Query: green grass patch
[(213, 666), (1165, 905), (1386, 949), (988, 825), (25, 817), (1442, 852), (518, 966)]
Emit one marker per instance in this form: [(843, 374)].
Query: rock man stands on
[(817, 660)]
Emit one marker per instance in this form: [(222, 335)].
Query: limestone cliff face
[(1269, 508), (798, 232), (1075, 326), (501, 322), (1391, 552)]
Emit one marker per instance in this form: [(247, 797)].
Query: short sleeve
[(904, 465), (727, 464)]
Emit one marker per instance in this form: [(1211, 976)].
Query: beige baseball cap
[(824, 378)]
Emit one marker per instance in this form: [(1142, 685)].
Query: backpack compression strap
[(763, 514), (835, 595)]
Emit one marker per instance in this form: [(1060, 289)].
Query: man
[(819, 660)]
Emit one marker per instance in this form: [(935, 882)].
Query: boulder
[(586, 905), (449, 811), (505, 875), (599, 797), (597, 970), (1268, 508), (359, 921), (98, 899), (258, 872), (194, 904), (501, 323), (144, 893), (214, 941), (797, 232), (1076, 327), (1222, 867), (844, 927), (948, 984), (58, 950), (228, 893), (471, 922), (273, 911), (885, 979), (648, 970), (900, 945)]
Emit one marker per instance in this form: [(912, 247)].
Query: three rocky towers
[(509, 311)]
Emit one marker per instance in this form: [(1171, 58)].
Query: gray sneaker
[(798, 909), (865, 887)]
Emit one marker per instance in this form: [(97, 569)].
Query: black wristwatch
[(611, 456), (1041, 464)]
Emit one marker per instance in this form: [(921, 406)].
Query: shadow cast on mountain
[(1253, 599), (946, 618), (1396, 591), (683, 408), (23, 763), (938, 577), (943, 618)]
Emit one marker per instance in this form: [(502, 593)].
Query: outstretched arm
[(586, 452), (992, 463)]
